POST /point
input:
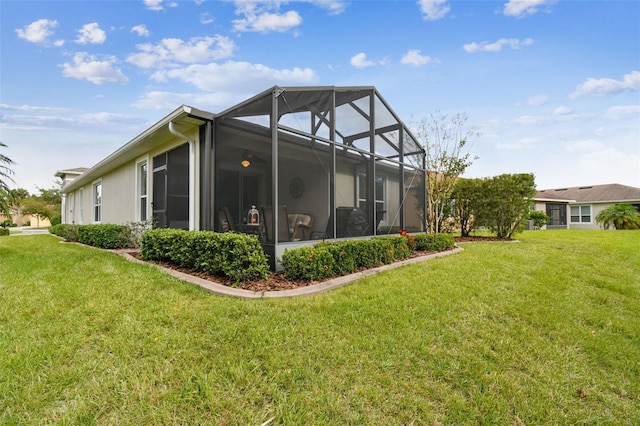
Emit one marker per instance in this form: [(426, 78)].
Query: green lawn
[(546, 331)]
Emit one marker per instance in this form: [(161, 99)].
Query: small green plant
[(4, 232), (539, 219)]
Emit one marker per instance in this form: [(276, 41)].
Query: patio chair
[(284, 234), (225, 221), (300, 226)]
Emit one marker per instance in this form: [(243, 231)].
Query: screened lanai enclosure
[(294, 165)]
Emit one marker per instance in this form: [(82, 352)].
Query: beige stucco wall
[(119, 190), (119, 195)]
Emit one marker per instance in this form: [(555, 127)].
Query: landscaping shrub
[(237, 256), (433, 242), (55, 219), (308, 263), (4, 232), (105, 235), (328, 259), (67, 232)]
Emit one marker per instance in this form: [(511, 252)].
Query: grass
[(545, 331)]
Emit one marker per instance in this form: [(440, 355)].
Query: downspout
[(192, 173)]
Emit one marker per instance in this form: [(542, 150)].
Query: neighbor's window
[(97, 202), (142, 190), (580, 214)]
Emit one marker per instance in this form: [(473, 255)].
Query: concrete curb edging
[(223, 290)]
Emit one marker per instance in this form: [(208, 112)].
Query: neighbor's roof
[(74, 171), (596, 193)]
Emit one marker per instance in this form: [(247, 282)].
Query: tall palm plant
[(5, 178), (621, 216)]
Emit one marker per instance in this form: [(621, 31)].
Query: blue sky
[(553, 87)]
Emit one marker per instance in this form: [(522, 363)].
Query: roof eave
[(123, 154)]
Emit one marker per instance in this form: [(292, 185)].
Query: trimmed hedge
[(104, 235), (328, 259), (433, 242), (239, 257), (4, 232), (67, 232)]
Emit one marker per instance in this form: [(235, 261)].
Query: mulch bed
[(276, 281)]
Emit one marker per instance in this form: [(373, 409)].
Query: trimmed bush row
[(330, 259), (105, 235), (237, 256)]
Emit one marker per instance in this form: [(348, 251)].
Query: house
[(337, 161), (68, 175), (577, 207)]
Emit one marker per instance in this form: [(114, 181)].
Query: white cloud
[(30, 108), (622, 112), (520, 8), (91, 33), (607, 86), (267, 22), (171, 51), (141, 30), (38, 118), (88, 67), (158, 5), (520, 144), (38, 31), (335, 7), (206, 18), (168, 101), (497, 46), (360, 61), (537, 100), (562, 110), (414, 57), (252, 78), (432, 10)]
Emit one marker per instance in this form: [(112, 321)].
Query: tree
[(466, 196), (508, 203), (18, 196), (448, 156), (37, 207), (6, 199), (621, 216)]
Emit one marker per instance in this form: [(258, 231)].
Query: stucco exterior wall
[(119, 195)]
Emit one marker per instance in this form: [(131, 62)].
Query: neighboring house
[(335, 160), (68, 175), (577, 207), (20, 219)]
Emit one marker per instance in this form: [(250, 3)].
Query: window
[(580, 214), (142, 191), (97, 202)]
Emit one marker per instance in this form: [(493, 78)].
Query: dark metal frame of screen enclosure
[(313, 148)]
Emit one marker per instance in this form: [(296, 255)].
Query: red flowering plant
[(403, 233)]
